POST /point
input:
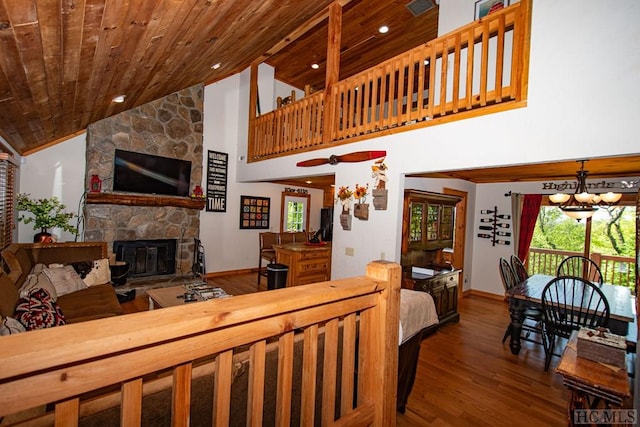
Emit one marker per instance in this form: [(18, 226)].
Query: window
[(294, 212), (7, 197), (608, 238), (295, 216)]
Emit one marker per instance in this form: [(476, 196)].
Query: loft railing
[(478, 69), (616, 270)]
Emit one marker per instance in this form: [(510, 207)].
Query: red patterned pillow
[(38, 311)]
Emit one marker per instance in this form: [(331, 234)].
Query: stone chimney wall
[(168, 127)]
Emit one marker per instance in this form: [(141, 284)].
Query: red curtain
[(530, 208)]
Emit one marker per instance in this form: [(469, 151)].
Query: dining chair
[(519, 269), (267, 252), (568, 304), (580, 266), (300, 237), (286, 237), (532, 314)]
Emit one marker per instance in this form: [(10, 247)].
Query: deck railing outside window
[(616, 270), (477, 69)]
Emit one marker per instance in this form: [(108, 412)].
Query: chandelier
[(582, 204)]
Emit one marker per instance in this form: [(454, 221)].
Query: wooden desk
[(307, 264), (593, 385), (529, 294)]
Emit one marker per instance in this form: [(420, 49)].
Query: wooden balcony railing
[(478, 69), (616, 270)]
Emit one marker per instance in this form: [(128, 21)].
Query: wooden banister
[(61, 365)]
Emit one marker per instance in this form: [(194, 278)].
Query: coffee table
[(169, 297)]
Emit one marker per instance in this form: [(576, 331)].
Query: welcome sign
[(217, 181)]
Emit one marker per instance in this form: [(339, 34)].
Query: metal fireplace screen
[(147, 257)]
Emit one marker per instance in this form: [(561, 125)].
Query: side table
[(597, 390)]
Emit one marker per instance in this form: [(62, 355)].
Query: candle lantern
[(95, 184)]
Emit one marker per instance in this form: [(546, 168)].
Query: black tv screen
[(149, 174)]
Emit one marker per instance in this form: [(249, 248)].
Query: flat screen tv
[(148, 174)]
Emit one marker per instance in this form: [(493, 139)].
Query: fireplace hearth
[(147, 257)]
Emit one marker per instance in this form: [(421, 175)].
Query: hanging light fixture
[(582, 204)]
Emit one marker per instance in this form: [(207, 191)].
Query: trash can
[(276, 276), (119, 273)]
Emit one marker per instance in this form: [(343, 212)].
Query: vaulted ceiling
[(62, 63)]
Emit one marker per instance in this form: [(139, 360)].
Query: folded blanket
[(417, 311)]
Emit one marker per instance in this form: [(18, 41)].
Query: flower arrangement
[(46, 213), (360, 193), (344, 196)]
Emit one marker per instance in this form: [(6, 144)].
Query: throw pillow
[(11, 326), (64, 279), (39, 311), (36, 280), (94, 272)]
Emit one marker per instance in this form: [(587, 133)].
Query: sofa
[(78, 304)]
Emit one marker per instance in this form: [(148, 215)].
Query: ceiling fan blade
[(358, 156), (313, 162), (361, 156)]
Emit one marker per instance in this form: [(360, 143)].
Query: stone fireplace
[(168, 127)]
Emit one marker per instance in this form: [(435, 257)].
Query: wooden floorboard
[(465, 376)]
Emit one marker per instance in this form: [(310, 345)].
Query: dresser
[(442, 285), (307, 263)]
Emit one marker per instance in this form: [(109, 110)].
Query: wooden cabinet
[(443, 288), (428, 228), (428, 220), (307, 264)]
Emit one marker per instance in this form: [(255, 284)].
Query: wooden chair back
[(506, 274), (580, 266), (300, 237), (519, 269), (267, 240), (286, 237), (569, 303)]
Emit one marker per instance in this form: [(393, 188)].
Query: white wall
[(57, 171), (225, 129)]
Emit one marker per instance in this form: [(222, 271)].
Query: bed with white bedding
[(418, 318)]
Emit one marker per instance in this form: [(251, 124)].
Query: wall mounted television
[(148, 174)]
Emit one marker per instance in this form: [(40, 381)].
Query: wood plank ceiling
[(62, 63)]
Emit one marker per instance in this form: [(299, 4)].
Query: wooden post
[(333, 68), (253, 103), (382, 387)]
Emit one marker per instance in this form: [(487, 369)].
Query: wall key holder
[(491, 225)]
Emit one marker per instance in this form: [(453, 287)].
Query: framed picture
[(485, 7), (254, 212)]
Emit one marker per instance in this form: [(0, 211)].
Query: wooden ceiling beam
[(300, 31)]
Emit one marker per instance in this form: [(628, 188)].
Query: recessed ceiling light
[(308, 182), (216, 66), (119, 99), (315, 66), (383, 30)]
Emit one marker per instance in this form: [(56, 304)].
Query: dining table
[(528, 294)]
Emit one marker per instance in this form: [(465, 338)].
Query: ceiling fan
[(358, 156)]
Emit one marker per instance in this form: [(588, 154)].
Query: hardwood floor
[(465, 376)]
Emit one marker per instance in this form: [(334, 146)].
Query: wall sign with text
[(254, 212), (217, 181)]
